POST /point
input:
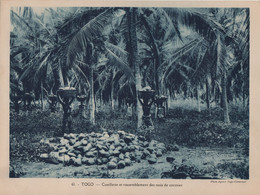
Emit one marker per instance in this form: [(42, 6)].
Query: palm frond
[(21, 21), (118, 61), (80, 71), (202, 23), (41, 66), (179, 53), (83, 38), (172, 26)]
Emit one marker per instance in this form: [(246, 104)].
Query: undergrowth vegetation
[(181, 126), (192, 128)]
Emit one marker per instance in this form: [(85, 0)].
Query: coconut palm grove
[(129, 92)]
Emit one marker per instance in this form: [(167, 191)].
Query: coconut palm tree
[(212, 28), (39, 48), (145, 44), (84, 38), (87, 42)]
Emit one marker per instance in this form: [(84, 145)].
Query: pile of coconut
[(115, 150)]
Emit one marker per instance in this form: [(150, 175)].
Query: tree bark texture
[(156, 56), (112, 96), (92, 98), (223, 83), (198, 98), (133, 59), (224, 98), (208, 90)]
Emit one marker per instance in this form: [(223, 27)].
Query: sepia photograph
[(129, 93)]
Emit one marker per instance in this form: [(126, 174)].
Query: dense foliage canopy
[(110, 53)]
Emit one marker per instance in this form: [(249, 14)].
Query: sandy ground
[(201, 158)]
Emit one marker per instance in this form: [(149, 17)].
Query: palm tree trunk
[(168, 101), (161, 87), (112, 96), (215, 95), (133, 51), (92, 98), (56, 80), (156, 56), (198, 98), (223, 83), (42, 96), (208, 90), (224, 98)]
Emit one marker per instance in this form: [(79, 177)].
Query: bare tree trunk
[(101, 100), (138, 105), (223, 83), (208, 90), (168, 102), (215, 95), (133, 50), (198, 98), (156, 80), (112, 90), (161, 86), (224, 98), (92, 98), (155, 51), (42, 96)]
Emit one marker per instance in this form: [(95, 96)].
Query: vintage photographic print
[(129, 92)]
